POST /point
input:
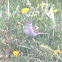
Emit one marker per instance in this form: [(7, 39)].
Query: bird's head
[(29, 22)]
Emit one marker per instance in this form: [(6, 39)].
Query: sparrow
[(30, 31)]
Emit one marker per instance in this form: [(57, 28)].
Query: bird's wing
[(35, 30)]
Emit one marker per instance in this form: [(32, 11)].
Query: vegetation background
[(46, 48)]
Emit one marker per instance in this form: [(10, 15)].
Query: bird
[(30, 31)]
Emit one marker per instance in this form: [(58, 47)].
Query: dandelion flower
[(42, 5), (61, 52), (55, 10), (56, 52), (15, 53), (25, 10)]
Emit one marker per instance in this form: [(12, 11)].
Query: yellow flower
[(55, 10), (56, 52), (42, 5), (25, 10), (16, 53), (61, 52)]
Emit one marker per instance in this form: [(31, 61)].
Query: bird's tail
[(43, 33)]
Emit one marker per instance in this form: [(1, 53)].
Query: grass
[(12, 37)]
